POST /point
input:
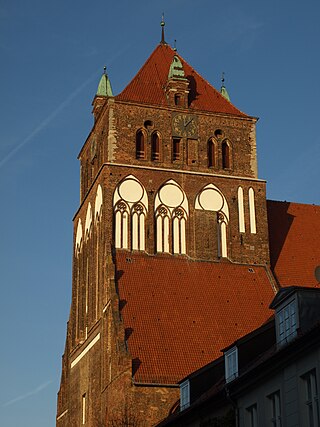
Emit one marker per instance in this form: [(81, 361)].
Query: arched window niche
[(140, 144), (210, 198), (155, 146), (211, 152), (226, 154), (130, 207), (252, 211), (242, 228), (171, 216)]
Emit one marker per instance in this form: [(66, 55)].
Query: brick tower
[(170, 244)]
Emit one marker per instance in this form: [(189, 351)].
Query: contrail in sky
[(51, 116), (26, 395)]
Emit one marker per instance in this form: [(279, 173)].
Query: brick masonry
[(104, 375)]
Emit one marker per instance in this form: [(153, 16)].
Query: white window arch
[(210, 198), (98, 203), (130, 207), (171, 215), (242, 228), (78, 245), (252, 212), (88, 222)]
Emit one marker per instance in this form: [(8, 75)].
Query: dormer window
[(286, 323), (231, 364), (184, 395)]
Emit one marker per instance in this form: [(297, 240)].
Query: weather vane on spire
[(162, 30)]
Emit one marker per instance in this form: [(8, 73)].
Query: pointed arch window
[(155, 146), (211, 153), (226, 153), (130, 206), (211, 199), (140, 144), (171, 215)]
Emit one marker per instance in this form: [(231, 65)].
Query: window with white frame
[(275, 409), (184, 395), (231, 364), (287, 323), (310, 399), (252, 416)]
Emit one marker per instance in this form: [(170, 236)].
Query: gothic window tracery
[(130, 206), (211, 199), (171, 215)]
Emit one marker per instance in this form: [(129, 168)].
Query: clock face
[(184, 125)]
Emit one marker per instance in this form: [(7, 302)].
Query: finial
[(104, 70), (162, 30), (223, 89), (175, 45)]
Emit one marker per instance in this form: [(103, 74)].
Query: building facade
[(171, 244)]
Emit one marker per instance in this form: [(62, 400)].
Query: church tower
[(172, 220)]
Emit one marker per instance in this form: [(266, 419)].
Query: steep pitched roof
[(179, 314), (294, 238), (147, 87)]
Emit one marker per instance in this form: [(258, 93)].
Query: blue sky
[(52, 56)]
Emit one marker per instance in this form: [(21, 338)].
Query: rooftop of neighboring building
[(294, 239)]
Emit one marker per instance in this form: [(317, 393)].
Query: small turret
[(104, 88), (177, 88), (104, 91)]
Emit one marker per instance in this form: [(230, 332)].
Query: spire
[(162, 30), (175, 45), (104, 88), (223, 89)]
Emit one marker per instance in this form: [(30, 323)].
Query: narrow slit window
[(177, 99), (225, 155), (140, 143), (176, 149), (155, 144)]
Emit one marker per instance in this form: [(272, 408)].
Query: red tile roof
[(179, 313), (147, 87), (294, 237)]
